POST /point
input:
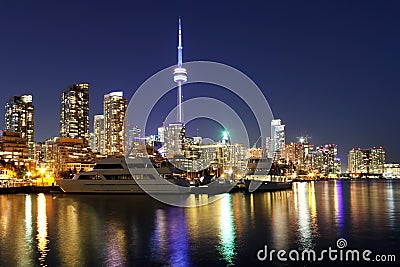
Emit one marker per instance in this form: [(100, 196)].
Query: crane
[(255, 144), (303, 138)]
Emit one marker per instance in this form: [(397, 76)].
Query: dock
[(29, 189)]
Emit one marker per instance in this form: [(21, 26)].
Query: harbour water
[(135, 230)]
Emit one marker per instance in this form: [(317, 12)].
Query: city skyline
[(334, 99)]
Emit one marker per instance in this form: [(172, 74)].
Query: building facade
[(378, 158), (19, 118), (74, 112), (115, 105), (63, 154), (366, 161), (13, 148), (326, 161), (391, 170), (134, 139), (98, 129), (174, 139), (277, 137)]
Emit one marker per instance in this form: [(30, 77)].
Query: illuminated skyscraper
[(180, 76), (355, 161), (20, 118), (277, 137), (115, 105), (174, 139), (98, 128), (378, 158), (74, 116), (366, 161), (13, 148), (134, 142), (326, 159)]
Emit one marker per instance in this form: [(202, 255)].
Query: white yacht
[(112, 176), (137, 176)]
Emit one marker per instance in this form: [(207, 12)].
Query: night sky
[(328, 68)]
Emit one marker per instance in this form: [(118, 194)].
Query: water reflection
[(28, 217), (279, 217), (312, 202), (135, 230), (390, 204), (116, 245), (227, 247), (28, 240), (339, 208), (252, 209), (41, 236), (68, 221), (306, 213), (178, 249), (170, 239), (159, 239), (4, 215)]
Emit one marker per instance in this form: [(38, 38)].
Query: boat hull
[(99, 187), (112, 176), (265, 186), (131, 187)]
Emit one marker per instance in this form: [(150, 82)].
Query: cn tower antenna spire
[(180, 48), (180, 75)]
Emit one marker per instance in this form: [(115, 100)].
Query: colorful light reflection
[(42, 229), (339, 209), (227, 235), (178, 238)]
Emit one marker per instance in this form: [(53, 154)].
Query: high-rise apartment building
[(63, 154), (268, 147), (292, 153), (366, 161), (98, 128), (355, 160), (174, 139), (74, 116), (20, 118), (378, 158), (277, 137), (13, 148), (326, 160), (115, 105), (134, 140)]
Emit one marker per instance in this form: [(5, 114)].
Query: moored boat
[(112, 176), (261, 177), (137, 176), (268, 183)]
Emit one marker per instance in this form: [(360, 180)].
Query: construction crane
[(255, 144), (303, 139)]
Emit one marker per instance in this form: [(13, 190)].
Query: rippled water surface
[(129, 230)]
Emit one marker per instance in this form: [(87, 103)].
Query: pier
[(29, 189)]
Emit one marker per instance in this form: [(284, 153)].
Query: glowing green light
[(225, 134)]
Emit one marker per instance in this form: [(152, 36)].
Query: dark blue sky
[(328, 68)]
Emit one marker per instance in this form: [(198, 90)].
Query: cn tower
[(180, 76)]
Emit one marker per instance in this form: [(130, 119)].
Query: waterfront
[(135, 230)]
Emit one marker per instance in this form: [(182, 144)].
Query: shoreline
[(32, 189)]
